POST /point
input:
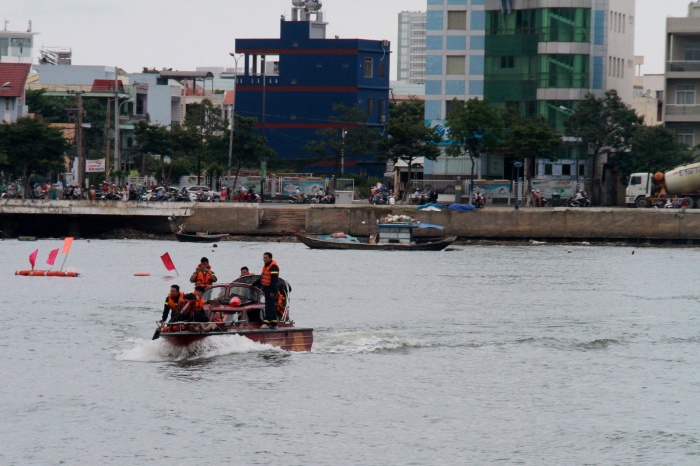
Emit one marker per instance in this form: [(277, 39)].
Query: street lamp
[(518, 166), (233, 121)]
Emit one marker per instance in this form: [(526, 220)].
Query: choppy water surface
[(515, 355)]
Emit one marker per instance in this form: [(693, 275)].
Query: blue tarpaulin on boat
[(461, 207), (430, 225)]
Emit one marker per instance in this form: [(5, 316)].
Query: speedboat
[(242, 307)]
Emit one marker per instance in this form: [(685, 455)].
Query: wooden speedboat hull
[(185, 238), (315, 243), (285, 337)]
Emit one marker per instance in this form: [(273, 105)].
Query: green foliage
[(350, 136), (32, 148), (530, 137), (654, 148), (52, 109), (474, 127), (408, 137), (603, 124)]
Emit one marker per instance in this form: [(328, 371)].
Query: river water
[(511, 355)]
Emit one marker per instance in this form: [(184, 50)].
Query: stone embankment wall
[(83, 218)]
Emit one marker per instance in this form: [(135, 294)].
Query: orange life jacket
[(205, 278), (174, 305), (266, 275), (198, 303)]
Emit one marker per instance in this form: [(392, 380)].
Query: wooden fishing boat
[(242, 307), (199, 238), (392, 236)]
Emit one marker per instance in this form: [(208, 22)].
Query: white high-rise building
[(411, 49)]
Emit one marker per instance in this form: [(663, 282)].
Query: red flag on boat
[(32, 258), (52, 257), (67, 244), (167, 262)]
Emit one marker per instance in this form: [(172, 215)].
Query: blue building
[(291, 84)]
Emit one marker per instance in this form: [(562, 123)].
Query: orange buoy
[(46, 273), (142, 274)]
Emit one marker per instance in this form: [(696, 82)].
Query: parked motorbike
[(300, 198), (580, 202), (478, 202)]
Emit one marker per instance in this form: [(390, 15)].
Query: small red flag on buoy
[(167, 262), (52, 257), (67, 244), (32, 258)]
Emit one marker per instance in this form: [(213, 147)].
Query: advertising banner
[(94, 166)]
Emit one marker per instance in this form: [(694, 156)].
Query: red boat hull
[(286, 338)]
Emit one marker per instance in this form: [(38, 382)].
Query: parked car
[(207, 194)]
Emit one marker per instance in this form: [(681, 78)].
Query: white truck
[(680, 185)]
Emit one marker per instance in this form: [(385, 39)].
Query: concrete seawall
[(84, 218)]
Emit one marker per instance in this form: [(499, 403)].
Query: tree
[(32, 148), (474, 126), (654, 148), (154, 139), (530, 138), (350, 135), (249, 148), (407, 136), (603, 124)]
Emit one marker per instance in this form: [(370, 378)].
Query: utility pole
[(116, 119), (107, 141), (79, 140)]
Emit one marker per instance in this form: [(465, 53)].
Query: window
[(450, 106), (582, 169), (566, 169), (456, 64), (685, 94), (382, 107), (547, 168), (508, 62), (686, 136), (635, 180), (457, 20), (382, 69), (368, 67), (691, 51), (370, 106)]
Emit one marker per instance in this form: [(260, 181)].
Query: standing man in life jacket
[(194, 309), (268, 283), (173, 302), (203, 275)]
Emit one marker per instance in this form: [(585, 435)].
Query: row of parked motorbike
[(304, 199)]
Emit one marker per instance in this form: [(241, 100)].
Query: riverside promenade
[(94, 218)]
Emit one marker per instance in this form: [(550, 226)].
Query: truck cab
[(639, 189)]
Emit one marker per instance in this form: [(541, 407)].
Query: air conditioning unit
[(382, 118), (385, 43)]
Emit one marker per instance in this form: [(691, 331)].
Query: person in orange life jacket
[(216, 319), (203, 275), (193, 311), (173, 302), (244, 272), (268, 283)]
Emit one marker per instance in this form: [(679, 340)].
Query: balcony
[(683, 69), (682, 113)]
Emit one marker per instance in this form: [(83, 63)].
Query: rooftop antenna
[(6, 23), (29, 29)]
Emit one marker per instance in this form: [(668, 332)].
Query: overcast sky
[(184, 34)]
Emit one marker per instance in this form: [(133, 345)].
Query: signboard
[(94, 166), (440, 127), (497, 189)]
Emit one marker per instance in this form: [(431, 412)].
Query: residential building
[(410, 59), (291, 85), (13, 78), (648, 99), (17, 46), (539, 56), (681, 106)]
